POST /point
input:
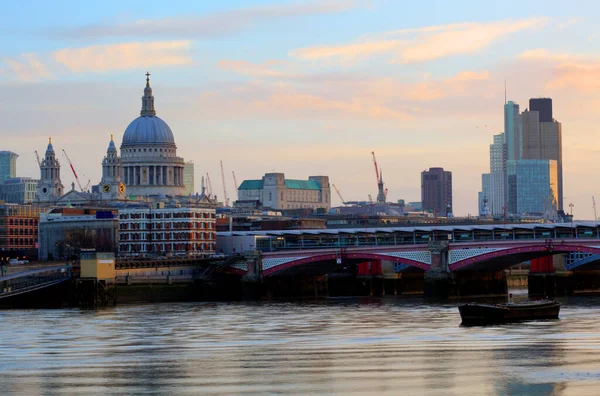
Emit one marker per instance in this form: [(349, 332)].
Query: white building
[(149, 161), (148, 165), (276, 192), (167, 231)]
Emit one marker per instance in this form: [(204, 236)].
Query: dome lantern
[(148, 100)]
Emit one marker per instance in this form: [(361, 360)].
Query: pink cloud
[(420, 44), (124, 56)]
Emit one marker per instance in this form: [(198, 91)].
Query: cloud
[(26, 67), (574, 72), (469, 75), (421, 44), (266, 69), (124, 56), (96, 59), (215, 25)]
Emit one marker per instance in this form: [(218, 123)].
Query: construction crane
[(37, 157), (235, 184), (73, 169), (87, 186), (376, 168), (209, 184), (594, 206), (339, 194), (224, 185)]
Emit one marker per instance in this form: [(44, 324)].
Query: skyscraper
[(497, 182), (188, 177), (543, 139), (542, 106), (8, 165), (536, 187), (436, 191), (512, 131)]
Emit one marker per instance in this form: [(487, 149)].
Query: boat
[(475, 313)]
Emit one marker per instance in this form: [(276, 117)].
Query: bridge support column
[(252, 282), (439, 281), (541, 281)]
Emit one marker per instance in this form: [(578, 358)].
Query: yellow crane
[(339, 194)]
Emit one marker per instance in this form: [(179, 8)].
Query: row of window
[(167, 247), (182, 215), (161, 236), (17, 242), (156, 150), (23, 222), (20, 231), (166, 226)]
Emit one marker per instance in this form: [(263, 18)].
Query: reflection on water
[(341, 346)]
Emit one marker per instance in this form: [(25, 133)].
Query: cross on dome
[(148, 99)]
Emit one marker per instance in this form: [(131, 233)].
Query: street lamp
[(571, 206)]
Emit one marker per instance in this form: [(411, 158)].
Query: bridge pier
[(441, 284), (253, 287), (439, 281)]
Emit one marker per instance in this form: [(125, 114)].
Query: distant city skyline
[(304, 87)]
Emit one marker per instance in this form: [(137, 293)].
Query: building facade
[(18, 229), (167, 231), (8, 165), (19, 190), (436, 191), (188, 178), (63, 232), (543, 106), (512, 131), (536, 187), (276, 192)]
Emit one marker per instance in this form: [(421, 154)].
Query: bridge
[(33, 280), (491, 247)]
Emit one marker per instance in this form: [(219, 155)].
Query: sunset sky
[(304, 88)]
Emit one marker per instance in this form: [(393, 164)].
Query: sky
[(304, 87)]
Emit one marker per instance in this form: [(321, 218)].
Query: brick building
[(167, 231)]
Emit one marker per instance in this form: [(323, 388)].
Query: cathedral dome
[(148, 129)]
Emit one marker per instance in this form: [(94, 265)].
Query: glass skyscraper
[(188, 178), (535, 189), (8, 165)]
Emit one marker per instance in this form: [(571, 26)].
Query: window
[(270, 196)]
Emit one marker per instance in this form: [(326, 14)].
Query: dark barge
[(475, 313)]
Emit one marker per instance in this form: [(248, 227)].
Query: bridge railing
[(26, 281)]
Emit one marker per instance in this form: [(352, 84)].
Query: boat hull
[(474, 313)]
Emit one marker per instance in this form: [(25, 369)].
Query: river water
[(339, 346)]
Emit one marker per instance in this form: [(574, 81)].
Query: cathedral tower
[(50, 188)]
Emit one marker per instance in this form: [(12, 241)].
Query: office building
[(512, 131), (19, 190), (543, 139), (167, 231), (188, 178), (535, 190), (8, 165), (436, 191), (543, 106), (64, 231), (276, 192), (19, 230)]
